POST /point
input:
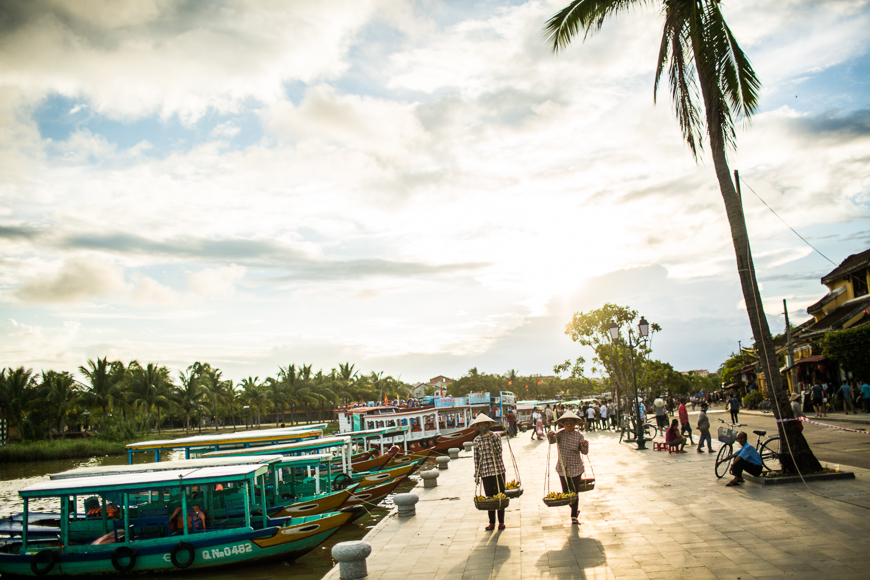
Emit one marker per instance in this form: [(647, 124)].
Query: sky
[(415, 187)]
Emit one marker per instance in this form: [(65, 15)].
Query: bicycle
[(764, 406), (628, 432), (769, 449)]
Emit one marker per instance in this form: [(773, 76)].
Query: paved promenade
[(652, 515)]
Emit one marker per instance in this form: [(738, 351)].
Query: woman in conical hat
[(488, 464), (571, 444)]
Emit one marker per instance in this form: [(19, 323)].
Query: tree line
[(122, 400)]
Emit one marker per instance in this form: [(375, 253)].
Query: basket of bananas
[(556, 499), (513, 489), (497, 502)]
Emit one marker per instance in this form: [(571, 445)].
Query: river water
[(312, 566)]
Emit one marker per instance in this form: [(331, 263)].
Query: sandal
[(501, 526), (574, 521), (490, 527), (732, 483)]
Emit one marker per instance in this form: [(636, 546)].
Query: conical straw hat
[(569, 415), (482, 418)]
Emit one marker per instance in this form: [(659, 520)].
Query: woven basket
[(586, 485), (727, 436), (490, 504), (514, 493), (560, 501)]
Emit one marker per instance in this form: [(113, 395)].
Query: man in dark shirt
[(734, 407), (818, 393)]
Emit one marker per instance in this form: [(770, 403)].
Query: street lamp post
[(643, 332)]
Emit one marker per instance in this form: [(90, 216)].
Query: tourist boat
[(145, 537), (216, 442)]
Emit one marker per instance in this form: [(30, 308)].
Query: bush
[(751, 400), (59, 449)]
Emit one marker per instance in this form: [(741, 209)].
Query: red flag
[(527, 386), (510, 382), (385, 398), (539, 382)]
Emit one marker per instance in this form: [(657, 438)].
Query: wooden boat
[(373, 494), (439, 444), (398, 460), (146, 538)]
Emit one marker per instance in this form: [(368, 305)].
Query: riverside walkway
[(652, 515)]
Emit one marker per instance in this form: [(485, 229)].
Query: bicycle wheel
[(770, 453), (649, 431), (722, 469)]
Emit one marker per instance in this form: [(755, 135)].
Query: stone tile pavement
[(652, 515)]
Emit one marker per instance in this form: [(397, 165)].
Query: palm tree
[(151, 388), (58, 392), (16, 391), (231, 397), (101, 386), (249, 393), (188, 396), (700, 52)]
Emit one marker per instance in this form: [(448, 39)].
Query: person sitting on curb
[(673, 437), (747, 459), (704, 430)]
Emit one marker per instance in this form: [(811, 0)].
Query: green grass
[(59, 449)]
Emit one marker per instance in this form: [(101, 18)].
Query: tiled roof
[(835, 320), (847, 266), (825, 299)]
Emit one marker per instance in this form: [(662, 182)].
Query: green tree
[(16, 391), (704, 61), (255, 395), (101, 388), (189, 396), (58, 392), (850, 348), (151, 388)]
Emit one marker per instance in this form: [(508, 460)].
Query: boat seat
[(760, 433), (150, 523)]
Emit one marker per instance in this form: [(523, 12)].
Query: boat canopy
[(262, 437), (152, 480), (290, 448), (167, 466)]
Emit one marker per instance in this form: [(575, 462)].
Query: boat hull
[(373, 494), (327, 503), (209, 549)]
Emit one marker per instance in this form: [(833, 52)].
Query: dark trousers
[(740, 465), (867, 405), (491, 486), (570, 484), (734, 416)]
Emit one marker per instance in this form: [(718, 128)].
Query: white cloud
[(216, 281)]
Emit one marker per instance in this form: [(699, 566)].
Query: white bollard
[(430, 478), (442, 462), (469, 445), (406, 502), (351, 558), (454, 452)]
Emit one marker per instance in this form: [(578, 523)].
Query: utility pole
[(792, 370)]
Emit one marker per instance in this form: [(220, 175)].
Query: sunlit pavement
[(652, 515)]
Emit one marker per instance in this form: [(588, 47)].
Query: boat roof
[(166, 466), (261, 435), (325, 443), (311, 459), (387, 431), (143, 481)]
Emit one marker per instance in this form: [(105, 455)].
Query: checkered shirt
[(487, 456), (568, 443)]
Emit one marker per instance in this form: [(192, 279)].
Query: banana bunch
[(496, 496), (512, 485), (555, 495)]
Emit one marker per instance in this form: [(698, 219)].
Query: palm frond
[(588, 15)]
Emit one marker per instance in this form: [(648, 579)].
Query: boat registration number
[(217, 553)]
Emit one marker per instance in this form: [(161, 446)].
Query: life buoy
[(48, 557), (182, 547), (119, 554)]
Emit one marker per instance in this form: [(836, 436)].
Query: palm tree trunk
[(797, 455), (158, 420)]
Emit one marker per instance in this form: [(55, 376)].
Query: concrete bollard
[(405, 502), (454, 452), (430, 478), (351, 558), (442, 462), (469, 445)]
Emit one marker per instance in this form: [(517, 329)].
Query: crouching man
[(747, 459)]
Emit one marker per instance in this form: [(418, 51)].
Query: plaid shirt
[(487, 456), (568, 443)]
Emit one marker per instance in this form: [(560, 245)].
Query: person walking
[(512, 422), (570, 444), (548, 417), (590, 418), (865, 393), (603, 414), (537, 424), (704, 430), (846, 394), (684, 420), (489, 465), (661, 414), (734, 406), (818, 394)]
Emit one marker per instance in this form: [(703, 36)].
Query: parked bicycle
[(769, 449), (628, 430)]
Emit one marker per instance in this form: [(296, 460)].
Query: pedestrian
[(846, 393), (548, 417), (733, 406), (661, 414), (590, 418), (704, 429), (512, 422), (570, 444), (684, 420), (865, 393), (796, 409), (489, 465), (603, 413), (747, 459), (818, 394), (537, 424)]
